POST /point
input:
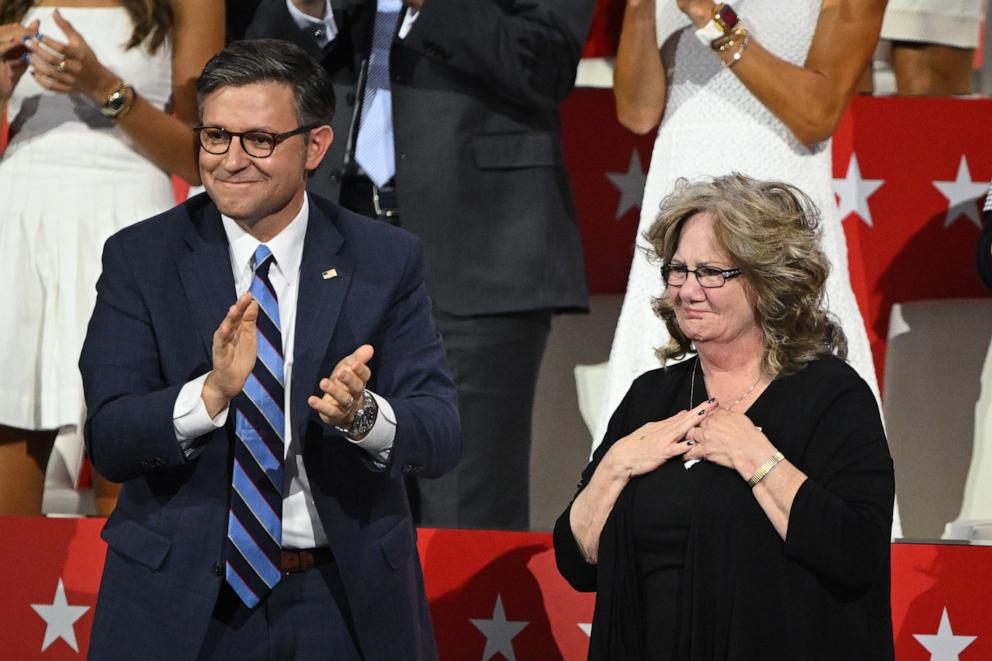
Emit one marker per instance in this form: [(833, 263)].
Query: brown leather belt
[(294, 560)]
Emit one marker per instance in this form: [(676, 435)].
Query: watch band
[(709, 33)]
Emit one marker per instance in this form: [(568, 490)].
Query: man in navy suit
[(185, 386)]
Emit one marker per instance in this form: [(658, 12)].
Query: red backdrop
[(913, 239), (493, 595)]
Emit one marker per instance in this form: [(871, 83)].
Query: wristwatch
[(364, 418), (725, 16), (119, 101), (723, 22)]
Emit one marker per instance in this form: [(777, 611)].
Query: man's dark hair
[(271, 60)]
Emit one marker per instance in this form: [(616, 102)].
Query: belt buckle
[(380, 211)]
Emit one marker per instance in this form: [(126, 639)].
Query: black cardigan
[(823, 594)]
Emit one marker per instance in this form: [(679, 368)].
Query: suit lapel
[(318, 305), (205, 272)]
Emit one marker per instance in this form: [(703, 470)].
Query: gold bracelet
[(728, 40), (764, 469)]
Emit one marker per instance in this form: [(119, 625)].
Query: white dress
[(68, 180), (946, 22), (712, 126)]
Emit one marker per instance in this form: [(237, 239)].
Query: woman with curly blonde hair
[(740, 505)]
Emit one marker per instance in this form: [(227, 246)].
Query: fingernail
[(703, 412), (26, 38), (712, 400), (25, 57), (39, 36)]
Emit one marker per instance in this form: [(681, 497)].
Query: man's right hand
[(234, 351)]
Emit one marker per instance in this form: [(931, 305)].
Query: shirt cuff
[(323, 30), (379, 441), (408, 20), (190, 418)]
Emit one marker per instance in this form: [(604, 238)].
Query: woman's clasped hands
[(728, 439), (654, 443)]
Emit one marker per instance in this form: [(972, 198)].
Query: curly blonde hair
[(771, 231)]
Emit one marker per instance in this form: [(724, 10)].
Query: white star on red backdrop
[(963, 195), (499, 632), (944, 645), (853, 192), (631, 185), (60, 619)]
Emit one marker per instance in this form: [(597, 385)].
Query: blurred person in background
[(449, 128), (933, 44), (758, 87), (100, 98)]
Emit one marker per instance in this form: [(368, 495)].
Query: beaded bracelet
[(728, 40), (740, 52), (764, 469)]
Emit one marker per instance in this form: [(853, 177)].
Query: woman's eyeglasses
[(709, 277)]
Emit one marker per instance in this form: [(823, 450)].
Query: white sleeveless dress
[(712, 126), (68, 180)]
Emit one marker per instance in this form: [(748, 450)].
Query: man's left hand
[(344, 389)]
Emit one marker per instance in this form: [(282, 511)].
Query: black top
[(983, 251), (691, 569)]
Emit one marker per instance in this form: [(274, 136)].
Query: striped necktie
[(254, 524), (374, 150)]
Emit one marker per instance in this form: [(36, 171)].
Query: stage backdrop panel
[(493, 595)]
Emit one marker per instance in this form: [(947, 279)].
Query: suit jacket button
[(217, 569)]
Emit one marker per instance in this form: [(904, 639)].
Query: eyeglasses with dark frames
[(709, 277), (257, 144)]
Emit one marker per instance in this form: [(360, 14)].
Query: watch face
[(726, 15)]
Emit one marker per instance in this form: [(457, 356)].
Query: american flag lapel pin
[(329, 273)]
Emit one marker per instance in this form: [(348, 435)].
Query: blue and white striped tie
[(254, 524), (374, 150)]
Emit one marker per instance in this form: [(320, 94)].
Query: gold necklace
[(692, 388)]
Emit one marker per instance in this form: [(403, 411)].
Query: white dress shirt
[(300, 524), (325, 29)]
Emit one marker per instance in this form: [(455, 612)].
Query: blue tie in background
[(254, 525), (374, 148)]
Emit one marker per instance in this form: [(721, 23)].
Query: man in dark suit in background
[(455, 136), (261, 370)]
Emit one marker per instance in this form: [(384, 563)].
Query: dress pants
[(304, 618), (495, 360)]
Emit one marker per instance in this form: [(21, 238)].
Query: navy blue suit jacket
[(166, 284)]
